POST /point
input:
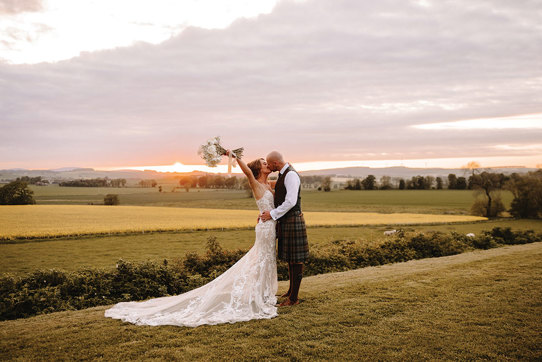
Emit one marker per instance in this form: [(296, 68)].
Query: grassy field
[(386, 201), (104, 251), (478, 305), (58, 220)]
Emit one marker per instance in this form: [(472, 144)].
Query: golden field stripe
[(62, 220)]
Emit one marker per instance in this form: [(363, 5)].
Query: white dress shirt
[(291, 182)]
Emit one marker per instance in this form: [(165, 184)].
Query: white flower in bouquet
[(212, 152)]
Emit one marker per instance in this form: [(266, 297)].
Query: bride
[(245, 291)]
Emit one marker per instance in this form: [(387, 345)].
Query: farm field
[(72, 253), (59, 220), (104, 251), (477, 305), (385, 201)]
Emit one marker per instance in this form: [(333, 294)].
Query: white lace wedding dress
[(245, 291)]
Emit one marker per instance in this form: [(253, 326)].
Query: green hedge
[(45, 291)]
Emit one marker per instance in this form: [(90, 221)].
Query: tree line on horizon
[(94, 182), (414, 183)]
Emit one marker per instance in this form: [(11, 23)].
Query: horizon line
[(444, 163), (532, 161)]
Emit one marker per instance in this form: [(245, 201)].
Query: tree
[(461, 183), (487, 185), (111, 199), (93, 182), (118, 182), (326, 184), (385, 183), (402, 184), (439, 183), (216, 181), (194, 180), (354, 184), (231, 182), (416, 183), (473, 166), (470, 182), (419, 183), (527, 191), (186, 182), (452, 181), (30, 180), (147, 183), (357, 184), (202, 181), (428, 182), (16, 193), (369, 182)]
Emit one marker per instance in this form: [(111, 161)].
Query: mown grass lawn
[(477, 305)]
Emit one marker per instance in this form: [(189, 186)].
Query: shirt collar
[(284, 168)]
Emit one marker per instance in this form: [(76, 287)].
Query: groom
[(293, 246)]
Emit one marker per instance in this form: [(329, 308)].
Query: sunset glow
[(531, 161)]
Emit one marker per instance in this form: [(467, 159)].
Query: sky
[(334, 83)]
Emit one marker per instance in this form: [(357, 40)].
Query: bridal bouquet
[(212, 153)]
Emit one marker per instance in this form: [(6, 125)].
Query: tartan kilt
[(293, 246)]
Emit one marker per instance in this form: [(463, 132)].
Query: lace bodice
[(267, 202), (245, 291)]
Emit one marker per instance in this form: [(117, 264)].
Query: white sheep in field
[(470, 235), (389, 232)]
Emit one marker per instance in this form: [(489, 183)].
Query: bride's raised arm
[(247, 171)]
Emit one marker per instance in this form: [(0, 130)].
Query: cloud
[(318, 80), (529, 121), (533, 148), (20, 6), (85, 26)]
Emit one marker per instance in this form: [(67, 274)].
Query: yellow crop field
[(33, 221)]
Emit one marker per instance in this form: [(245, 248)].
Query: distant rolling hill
[(74, 173)]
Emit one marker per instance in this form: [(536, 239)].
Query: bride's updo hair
[(255, 166)]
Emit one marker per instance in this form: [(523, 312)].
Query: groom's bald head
[(275, 156), (275, 161)]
